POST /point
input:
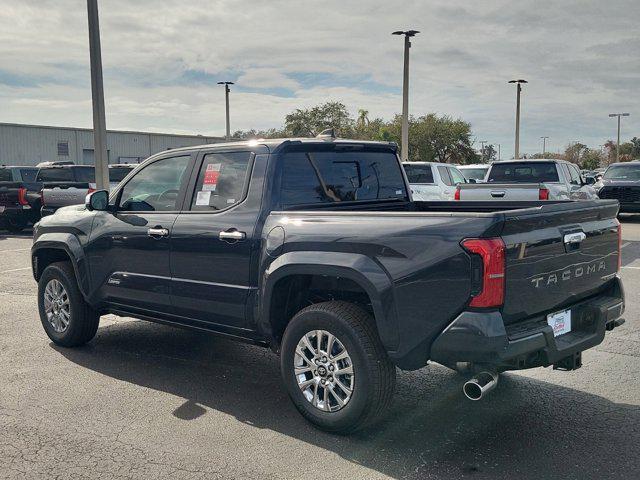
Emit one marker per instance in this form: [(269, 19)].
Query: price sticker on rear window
[(211, 175)]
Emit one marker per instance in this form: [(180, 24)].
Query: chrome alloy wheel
[(56, 306), (324, 370)]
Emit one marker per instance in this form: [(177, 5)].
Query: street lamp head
[(408, 33), (618, 114), (225, 83), (518, 81)]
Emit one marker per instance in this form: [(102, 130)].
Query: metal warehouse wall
[(30, 144)]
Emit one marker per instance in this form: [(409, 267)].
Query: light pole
[(226, 99), (518, 90), (544, 145), (618, 143), (498, 151), (404, 154), (101, 159)]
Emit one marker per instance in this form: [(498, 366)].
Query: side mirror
[(98, 200), (590, 180), (471, 180)]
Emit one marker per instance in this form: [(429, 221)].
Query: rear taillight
[(456, 196), (543, 194), (41, 198), (491, 251), (22, 196), (619, 245)]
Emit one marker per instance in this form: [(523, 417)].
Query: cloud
[(162, 61)]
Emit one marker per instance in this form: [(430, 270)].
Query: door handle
[(232, 235), (158, 232), (498, 193)]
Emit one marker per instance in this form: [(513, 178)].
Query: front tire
[(335, 368), (67, 318)]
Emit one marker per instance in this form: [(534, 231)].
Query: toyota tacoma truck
[(523, 180), (315, 249)]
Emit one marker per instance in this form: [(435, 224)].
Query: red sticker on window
[(211, 175)]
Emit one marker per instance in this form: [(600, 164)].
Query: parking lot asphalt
[(147, 401)]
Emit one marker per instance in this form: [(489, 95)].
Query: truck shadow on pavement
[(525, 429)]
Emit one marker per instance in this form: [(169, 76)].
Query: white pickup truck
[(529, 180), (432, 181), (64, 185)]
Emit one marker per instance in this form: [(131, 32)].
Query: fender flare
[(361, 269), (70, 244)]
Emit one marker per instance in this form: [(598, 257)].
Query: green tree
[(635, 147), (574, 151), (253, 134), (311, 121), (591, 159)]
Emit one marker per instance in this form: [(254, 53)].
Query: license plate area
[(560, 322)]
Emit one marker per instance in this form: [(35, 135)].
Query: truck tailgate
[(60, 195), (500, 191), (557, 255)]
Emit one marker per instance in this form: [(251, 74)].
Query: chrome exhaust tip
[(480, 385)]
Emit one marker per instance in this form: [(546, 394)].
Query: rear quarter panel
[(428, 271)]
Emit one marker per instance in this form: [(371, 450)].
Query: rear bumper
[(482, 338)]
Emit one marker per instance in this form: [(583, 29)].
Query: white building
[(31, 144)]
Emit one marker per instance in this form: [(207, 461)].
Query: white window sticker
[(203, 198)]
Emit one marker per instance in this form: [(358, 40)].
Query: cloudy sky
[(162, 60)]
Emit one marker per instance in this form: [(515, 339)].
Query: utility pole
[(404, 154), (518, 90), (482, 142), (618, 143), (544, 145), (226, 99), (101, 158)]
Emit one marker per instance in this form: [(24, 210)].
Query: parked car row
[(28, 193)]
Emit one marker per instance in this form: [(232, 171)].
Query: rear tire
[(67, 318), (373, 375)]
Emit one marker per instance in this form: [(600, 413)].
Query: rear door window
[(55, 174), (523, 172), (340, 175), (5, 175), (456, 176), (575, 175), (444, 176), (221, 181), (418, 173)]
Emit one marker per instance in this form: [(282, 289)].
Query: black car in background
[(621, 181), (19, 197)]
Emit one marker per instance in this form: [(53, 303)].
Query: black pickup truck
[(19, 197), (314, 248)]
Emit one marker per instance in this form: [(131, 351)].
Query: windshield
[(623, 172), (523, 172), (337, 175), (474, 173), (418, 173)]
